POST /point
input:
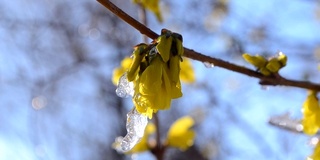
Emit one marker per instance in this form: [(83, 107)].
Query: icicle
[(284, 121), (125, 88), (136, 123)]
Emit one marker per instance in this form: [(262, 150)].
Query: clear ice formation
[(136, 124), (125, 88)]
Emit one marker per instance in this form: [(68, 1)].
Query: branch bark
[(264, 80)]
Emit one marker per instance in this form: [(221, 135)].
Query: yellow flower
[(180, 135), (160, 82), (316, 153), (258, 61), (154, 71), (152, 5), (264, 66), (311, 114), (155, 88), (143, 145)]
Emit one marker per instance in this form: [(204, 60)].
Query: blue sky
[(74, 109)]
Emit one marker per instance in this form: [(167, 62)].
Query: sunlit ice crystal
[(136, 124), (125, 88)]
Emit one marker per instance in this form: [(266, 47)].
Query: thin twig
[(265, 80), (159, 149)]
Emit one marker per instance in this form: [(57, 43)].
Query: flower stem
[(159, 149)]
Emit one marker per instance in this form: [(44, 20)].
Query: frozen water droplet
[(136, 123), (264, 87), (280, 53), (314, 141), (125, 88), (284, 121), (208, 64), (299, 127)]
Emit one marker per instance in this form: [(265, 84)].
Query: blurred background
[(57, 100)]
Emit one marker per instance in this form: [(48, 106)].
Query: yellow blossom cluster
[(267, 66), (155, 72)]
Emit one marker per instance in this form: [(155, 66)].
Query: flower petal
[(143, 104), (174, 66), (137, 58), (316, 153), (176, 90), (150, 80), (311, 102), (187, 73), (164, 47), (180, 135), (163, 98), (309, 125)]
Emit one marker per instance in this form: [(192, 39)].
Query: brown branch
[(265, 80), (143, 19)]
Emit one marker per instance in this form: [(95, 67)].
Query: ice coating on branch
[(125, 88), (136, 123)]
